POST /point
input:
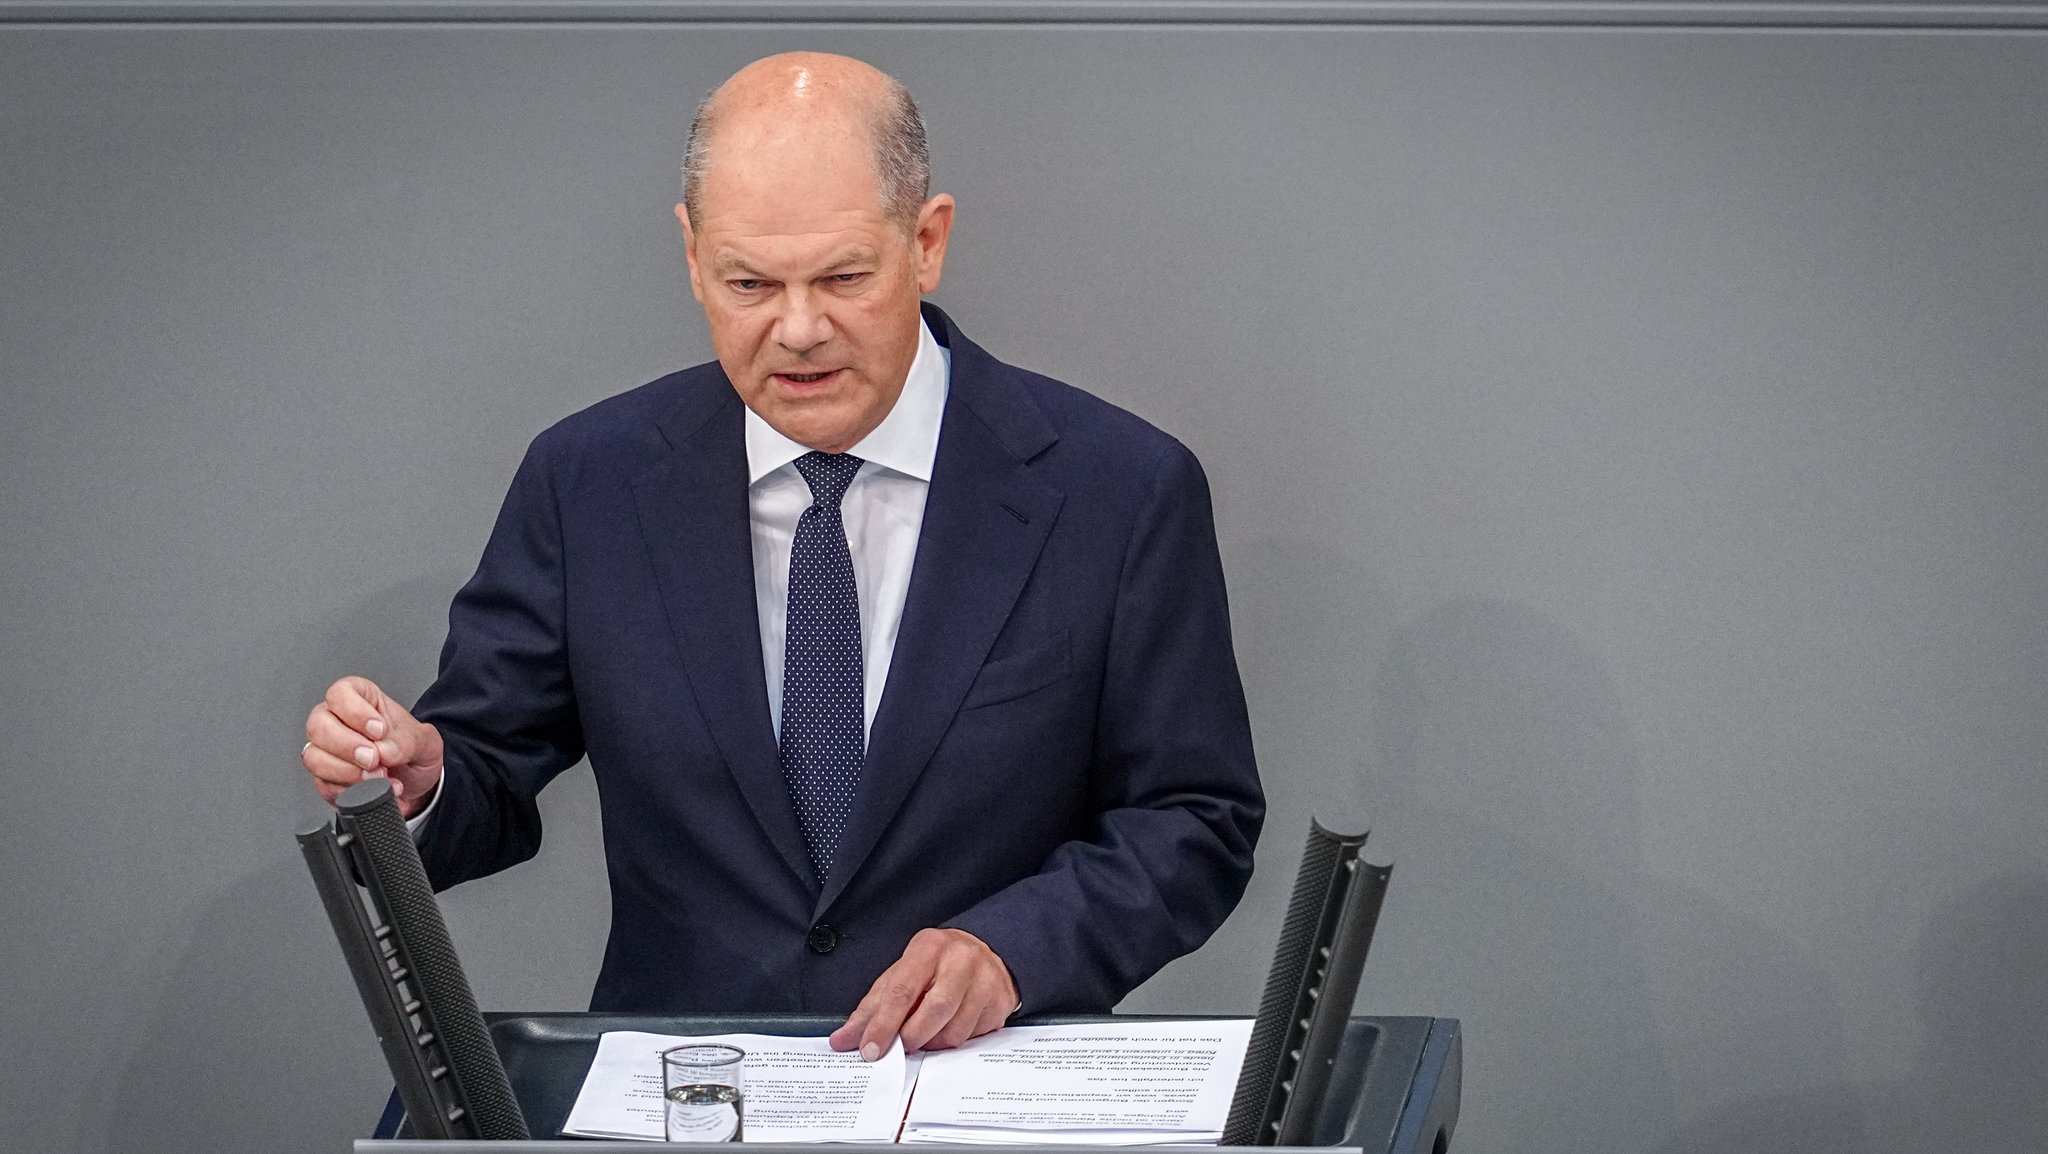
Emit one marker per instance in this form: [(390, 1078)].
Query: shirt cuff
[(413, 823)]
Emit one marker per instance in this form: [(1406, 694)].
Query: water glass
[(702, 1087)]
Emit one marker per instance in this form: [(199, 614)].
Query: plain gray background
[(1628, 452)]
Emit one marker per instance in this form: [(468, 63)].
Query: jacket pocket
[(1017, 674)]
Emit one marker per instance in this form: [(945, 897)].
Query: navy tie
[(824, 728)]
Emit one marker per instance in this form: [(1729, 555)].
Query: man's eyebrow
[(857, 256), (726, 264)]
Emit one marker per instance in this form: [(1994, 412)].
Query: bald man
[(905, 675)]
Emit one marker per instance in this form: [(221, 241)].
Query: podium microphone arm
[(446, 1067)]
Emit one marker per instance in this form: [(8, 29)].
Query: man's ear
[(690, 251), (934, 228)]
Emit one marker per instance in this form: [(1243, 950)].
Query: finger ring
[(304, 748)]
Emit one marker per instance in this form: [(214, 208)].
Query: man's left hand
[(946, 988)]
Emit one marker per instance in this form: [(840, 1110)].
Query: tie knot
[(828, 475)]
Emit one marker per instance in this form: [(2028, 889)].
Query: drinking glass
[(702, 1087)]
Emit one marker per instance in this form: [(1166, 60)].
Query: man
[(905, 675)]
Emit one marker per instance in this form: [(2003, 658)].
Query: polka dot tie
[(824, 730)]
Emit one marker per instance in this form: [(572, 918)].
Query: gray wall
[(1628, 446)]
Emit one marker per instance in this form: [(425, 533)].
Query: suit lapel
[(694, 515), (986, 518)]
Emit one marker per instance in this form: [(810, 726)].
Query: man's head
[(811, 240)]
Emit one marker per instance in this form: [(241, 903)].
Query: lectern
[(1394, 1088), (1314, 1079)]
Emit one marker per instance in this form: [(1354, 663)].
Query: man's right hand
[(359, 732)]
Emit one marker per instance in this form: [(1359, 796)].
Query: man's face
[(810, 291)]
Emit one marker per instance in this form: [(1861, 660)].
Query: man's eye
[(745, 284), (849, 277)]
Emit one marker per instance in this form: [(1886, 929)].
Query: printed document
[(1113, 1083), (1110, 1084), (797, 1089)]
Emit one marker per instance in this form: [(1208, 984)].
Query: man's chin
[(826, 429)]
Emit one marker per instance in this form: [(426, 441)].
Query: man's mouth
[(806, 378)]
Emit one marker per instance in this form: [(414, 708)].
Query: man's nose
[(803, 325)]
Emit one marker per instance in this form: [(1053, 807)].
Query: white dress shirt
[(883, 509)]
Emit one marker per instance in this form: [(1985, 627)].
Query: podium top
[(1393, 1089), (587, 1146)]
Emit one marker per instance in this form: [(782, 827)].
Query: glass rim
[(702, 1054)]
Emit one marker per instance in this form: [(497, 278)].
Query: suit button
[(822, 939)]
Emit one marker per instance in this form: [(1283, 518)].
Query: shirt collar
[(907, 440)]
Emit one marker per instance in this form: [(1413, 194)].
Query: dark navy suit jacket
[(1060, 763)]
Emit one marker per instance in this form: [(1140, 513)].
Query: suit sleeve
[(503, 699), (1176, 791)]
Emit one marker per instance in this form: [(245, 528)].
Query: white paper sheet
[(1113, 1084), (797, 1089)]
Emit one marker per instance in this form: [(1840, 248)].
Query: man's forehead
[(803, 176), (815, 254)]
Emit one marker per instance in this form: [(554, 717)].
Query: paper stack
[(1133, 1084), (1123, 1084)]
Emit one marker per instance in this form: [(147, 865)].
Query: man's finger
[(355, 701), (899, 997), (949, 995), (334, 752), (329, 769), (1001, 1001), (993, 1014), (989, 999), (946, 988), (899, 989), (847, 1036), (329, 733)]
